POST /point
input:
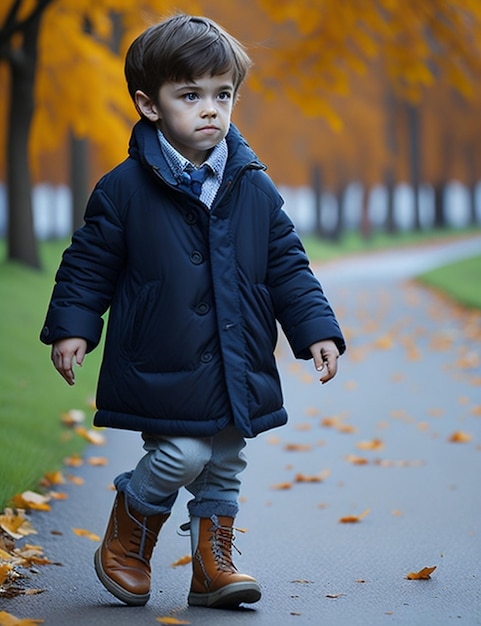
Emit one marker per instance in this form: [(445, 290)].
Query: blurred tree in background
[(367, 90), (64, 56)]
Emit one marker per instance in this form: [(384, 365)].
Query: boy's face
[(193, 115)]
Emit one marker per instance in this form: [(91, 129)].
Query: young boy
[(187, 245)]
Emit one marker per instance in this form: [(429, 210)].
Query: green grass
[(32, 394), (460, 281)]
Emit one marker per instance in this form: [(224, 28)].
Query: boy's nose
[(210, 110)]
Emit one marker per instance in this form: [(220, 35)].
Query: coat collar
[(144, 147)]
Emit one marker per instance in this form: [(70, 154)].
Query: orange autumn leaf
[(58, 495), (459, 437), (423, 574), (32, 555), (337, 423), (31, 500), (356, 460), (81, 532), (282, 486), (184, 560), (73, 417), (374, 444), (6, 619), (317, 478), (76, 480), (353, 519), (92, 436), (297, 447), (53, 478), (5, 569), (170, 620), (73, 461), (97, 461), (15, 524), (384, 343)]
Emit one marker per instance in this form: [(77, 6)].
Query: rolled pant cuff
[(144, 508), (225, 508)]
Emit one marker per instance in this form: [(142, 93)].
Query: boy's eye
[(191, 96), (224, 95)]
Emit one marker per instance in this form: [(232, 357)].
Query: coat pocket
[(143, 325)]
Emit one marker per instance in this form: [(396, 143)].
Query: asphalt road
[(374, 444)]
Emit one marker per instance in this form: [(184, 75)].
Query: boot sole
[(229, 596), (115, 589)]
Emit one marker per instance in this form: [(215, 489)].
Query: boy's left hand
[(325, 355)]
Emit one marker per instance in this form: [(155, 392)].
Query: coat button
[(206, 357), (190, 218), (202, 308), (196, 257), (45, 331)]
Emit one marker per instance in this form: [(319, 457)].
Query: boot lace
[(141, 542), (222, 541)]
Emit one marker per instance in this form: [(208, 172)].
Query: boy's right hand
[(63, 354)]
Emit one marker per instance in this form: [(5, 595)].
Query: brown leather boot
[(215, 579), (122, 562)]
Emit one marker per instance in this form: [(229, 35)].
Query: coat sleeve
[(87, 276), (300, 304)]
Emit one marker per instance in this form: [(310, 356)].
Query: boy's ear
[(146, 106)]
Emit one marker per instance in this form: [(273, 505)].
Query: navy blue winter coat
[(193, 296)]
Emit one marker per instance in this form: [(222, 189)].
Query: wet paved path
[(373, 442)]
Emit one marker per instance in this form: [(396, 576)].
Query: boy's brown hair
[(182, 47)]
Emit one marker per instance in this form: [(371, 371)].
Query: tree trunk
[(415, 158), (22, 244), (366, 226), (391, 226), (439, 213), (316, 181), (79, 178)]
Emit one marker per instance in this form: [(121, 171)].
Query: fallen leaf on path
[(5, 569), (53, 478), (384, 343), (337, 422), (92, 436), (31, 500), (459, 437), (6, 619), (74, 461), (170, 620), (317, 478), (374, 444), (32, 555), (97, 461), (297, 447), (58, 495), (282, 486), (15, 524), (185, 560), (301, 581), (423, 574), (356, 460), (76, 480), (81, 532), (353, 519)]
